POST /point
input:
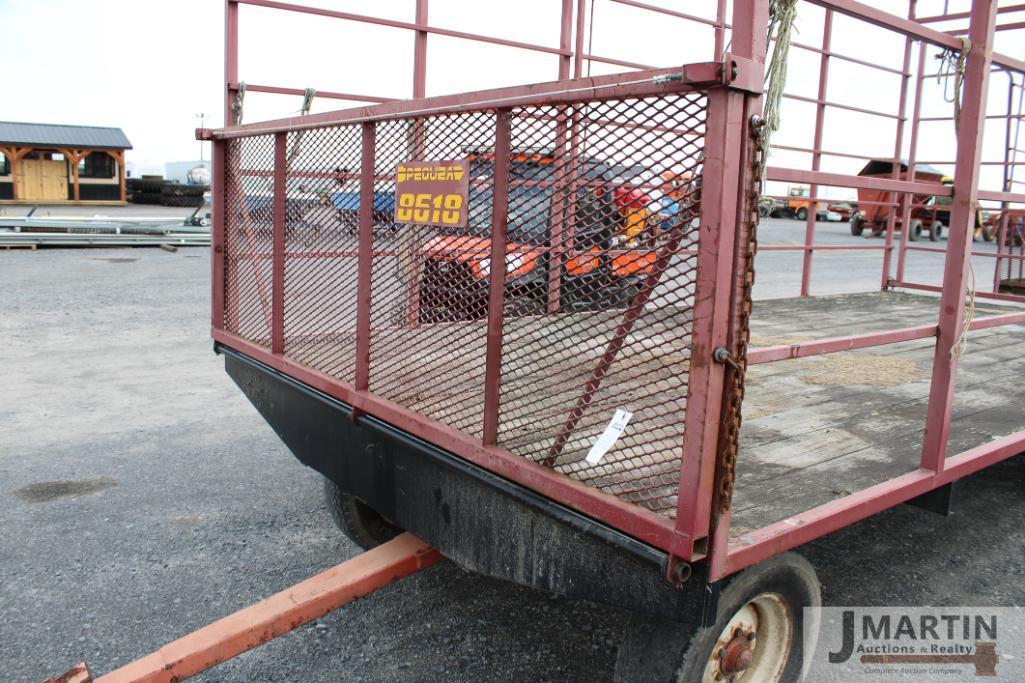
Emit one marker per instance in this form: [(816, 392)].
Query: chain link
[(729, 440)]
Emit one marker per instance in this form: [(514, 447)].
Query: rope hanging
[(958, 349), (307, 101), (236, 105), (782, 14), (952, 63)]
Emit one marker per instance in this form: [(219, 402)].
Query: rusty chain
[(729, 440)]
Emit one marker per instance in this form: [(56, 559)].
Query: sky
[(150, 66)]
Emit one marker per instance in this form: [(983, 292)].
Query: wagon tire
[(915, 231), (856, 227), (768, 600), (935, 231), (357, 520), (802, 214)]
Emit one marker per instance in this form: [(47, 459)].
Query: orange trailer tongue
[(270, 618)]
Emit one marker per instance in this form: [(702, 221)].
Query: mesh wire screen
[(248, 226), (429, 310), (602, 233), (608, 327), (321, 235)]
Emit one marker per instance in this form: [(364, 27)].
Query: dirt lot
[(143, 497)]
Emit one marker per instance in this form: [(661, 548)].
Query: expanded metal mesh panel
[(321, 247), (605, 324), (248, 225), (429, 313), (602, 207)]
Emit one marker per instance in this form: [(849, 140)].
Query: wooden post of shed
[(74, 156), (121, 172)]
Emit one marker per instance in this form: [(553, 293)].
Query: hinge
[(744, 74)]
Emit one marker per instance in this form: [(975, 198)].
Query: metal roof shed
[(61, 163)]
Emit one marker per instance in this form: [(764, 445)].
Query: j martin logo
[(916, 643)]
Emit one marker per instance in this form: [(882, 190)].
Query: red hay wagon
[(547, 385), (546, 382)]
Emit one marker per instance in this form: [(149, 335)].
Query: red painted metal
[(420, 52), (792, 175), (277, 332), (966, 15), (634, 520), (419, 26), (816, 159), (959, 243), (994, 296), (891, 223), (715, 311), (696, 77), (321, 94), (762, 544), (365, 255), (723, 178), (279, 614), (769, 354), (217, 275), (496, 291), (230, 58), (906, 205)]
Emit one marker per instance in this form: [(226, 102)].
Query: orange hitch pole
[(270, 618)]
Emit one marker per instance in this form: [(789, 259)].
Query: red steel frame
[(725, 176)]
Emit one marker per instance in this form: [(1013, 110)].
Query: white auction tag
[(609, 436)]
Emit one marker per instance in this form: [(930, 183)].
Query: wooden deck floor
[(814, 430), (817, 429)]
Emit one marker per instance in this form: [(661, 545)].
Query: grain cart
[(874, 204), (590, 443)]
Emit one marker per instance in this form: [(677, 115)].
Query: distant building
[(188, 172), (60, 164)]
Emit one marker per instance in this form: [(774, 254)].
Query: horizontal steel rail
[(794, 175), (393, 23), (762, 544), (635, 84)]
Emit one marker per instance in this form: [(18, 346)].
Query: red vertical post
[(562, 204), (496, 291), (962, 224), (724, 178), (565, 39), (816, 157), (897, 148), (906, 200), (230, 57), (420, 52), (277, 277), (578, 52), (365, 255), (217, 235), (720, 30), (1007, 185)]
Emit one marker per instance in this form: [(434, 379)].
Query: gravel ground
[(144, 497)]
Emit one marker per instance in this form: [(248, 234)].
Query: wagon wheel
[(915, 231), (758, 635), (802, 214), (856, 227), (935, 231), (357, 520)]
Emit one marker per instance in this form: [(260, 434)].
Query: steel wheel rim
[(765, 626)]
